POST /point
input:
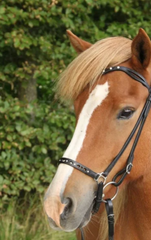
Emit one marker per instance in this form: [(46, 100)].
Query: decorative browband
[(132, 73)]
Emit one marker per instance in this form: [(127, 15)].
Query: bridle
[(129, 164)]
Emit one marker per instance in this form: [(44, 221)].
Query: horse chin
[(86, 219)]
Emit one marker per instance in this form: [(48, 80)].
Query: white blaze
[(95, 99)]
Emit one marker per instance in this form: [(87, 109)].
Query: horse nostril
[(67, 210)]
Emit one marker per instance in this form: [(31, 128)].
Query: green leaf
[(17, 43), (1, 180), (44, 150)]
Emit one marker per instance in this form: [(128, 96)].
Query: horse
[(109, 84)]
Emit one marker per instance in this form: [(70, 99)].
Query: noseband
[(129, 164)]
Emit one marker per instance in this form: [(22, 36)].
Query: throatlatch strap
[(110, 215)]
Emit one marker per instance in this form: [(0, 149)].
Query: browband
[(132, 73)]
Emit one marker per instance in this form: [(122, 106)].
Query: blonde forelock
[(88, 66)]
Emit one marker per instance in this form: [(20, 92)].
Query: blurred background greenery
[(35, 127)]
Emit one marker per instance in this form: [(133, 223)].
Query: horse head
[(107, 107)]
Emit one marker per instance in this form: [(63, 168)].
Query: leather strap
[(82, 233), (98, 199), (110, 215), (132, 73), (80, 167)]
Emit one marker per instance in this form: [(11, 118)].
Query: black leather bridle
[(129, 164)]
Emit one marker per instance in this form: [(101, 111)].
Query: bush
[(34, 46), (30, 144), (33, 38)]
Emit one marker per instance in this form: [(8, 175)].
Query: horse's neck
[(135, 220), (134, 223)]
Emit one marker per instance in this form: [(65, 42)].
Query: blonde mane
[(88, 66)]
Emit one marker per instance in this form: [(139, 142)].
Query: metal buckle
[(100, 175), (128, 168), (117, 188)]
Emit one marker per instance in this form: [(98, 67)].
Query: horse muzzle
[(68, 212)]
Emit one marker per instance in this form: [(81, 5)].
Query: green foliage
[(33, 40), (33, 44), (30, 144)]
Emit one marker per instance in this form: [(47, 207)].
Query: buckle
[(100, 175), (128, 168)]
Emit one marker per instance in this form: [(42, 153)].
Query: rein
[(129, 164)]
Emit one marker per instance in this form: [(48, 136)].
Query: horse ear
[(78, 44), (141, 50)]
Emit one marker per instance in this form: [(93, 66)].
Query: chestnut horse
[(107, 107)]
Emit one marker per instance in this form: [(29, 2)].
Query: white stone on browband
[(111, 68)]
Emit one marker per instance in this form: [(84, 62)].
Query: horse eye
[(126, 113)]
